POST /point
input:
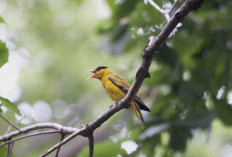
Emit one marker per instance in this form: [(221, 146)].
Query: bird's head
[(99, 72)]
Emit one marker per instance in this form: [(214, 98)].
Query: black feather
[(142, 106), (120, 87), (100, 67), (137, 99)]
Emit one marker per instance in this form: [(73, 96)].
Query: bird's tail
[(135, 108)]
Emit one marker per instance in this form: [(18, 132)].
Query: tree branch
[(173, 6), (62, 129), (30, 135), (9, 150)]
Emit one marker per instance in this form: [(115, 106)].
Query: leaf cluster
[(192, 75)]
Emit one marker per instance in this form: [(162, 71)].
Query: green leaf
[(11, 106), (3, 53), (224, 111), (79, 2), (179, 136), (104, 149), (1, 20), (3, 150)]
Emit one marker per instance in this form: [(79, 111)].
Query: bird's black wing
[(137, 99), (142, 106), (119, 86)]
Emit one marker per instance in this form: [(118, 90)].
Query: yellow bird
[(117, 87)]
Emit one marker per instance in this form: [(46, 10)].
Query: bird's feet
[(117, 102)]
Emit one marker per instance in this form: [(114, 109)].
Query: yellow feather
[(135, 108)]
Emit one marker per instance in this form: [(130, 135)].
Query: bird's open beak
[(92, 71)]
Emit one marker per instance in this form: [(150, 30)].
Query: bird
[(117, 87)]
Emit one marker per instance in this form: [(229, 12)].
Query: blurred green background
[(53, 43)]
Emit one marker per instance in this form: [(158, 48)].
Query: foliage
[(104, 149), (3, 53), (3, 59), (1, 19), (9, 105), (3, 151), (192, 66), (191, 76)]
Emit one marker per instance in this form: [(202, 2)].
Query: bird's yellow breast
[(113, 91)]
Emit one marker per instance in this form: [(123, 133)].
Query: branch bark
[(55, 126), (30, 135)]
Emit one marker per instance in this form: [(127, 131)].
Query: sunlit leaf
[(104, 149), (3, 150), (224, 111), (11, 106), (178, 137), (1, 19), (3, 53)]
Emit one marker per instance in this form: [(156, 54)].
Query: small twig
[(79, 132), (61, 139), (156, 6), (163, 12), (173, 6), (91, 145), (9, 122), (9, 150), (9, 128), (26, 136)]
